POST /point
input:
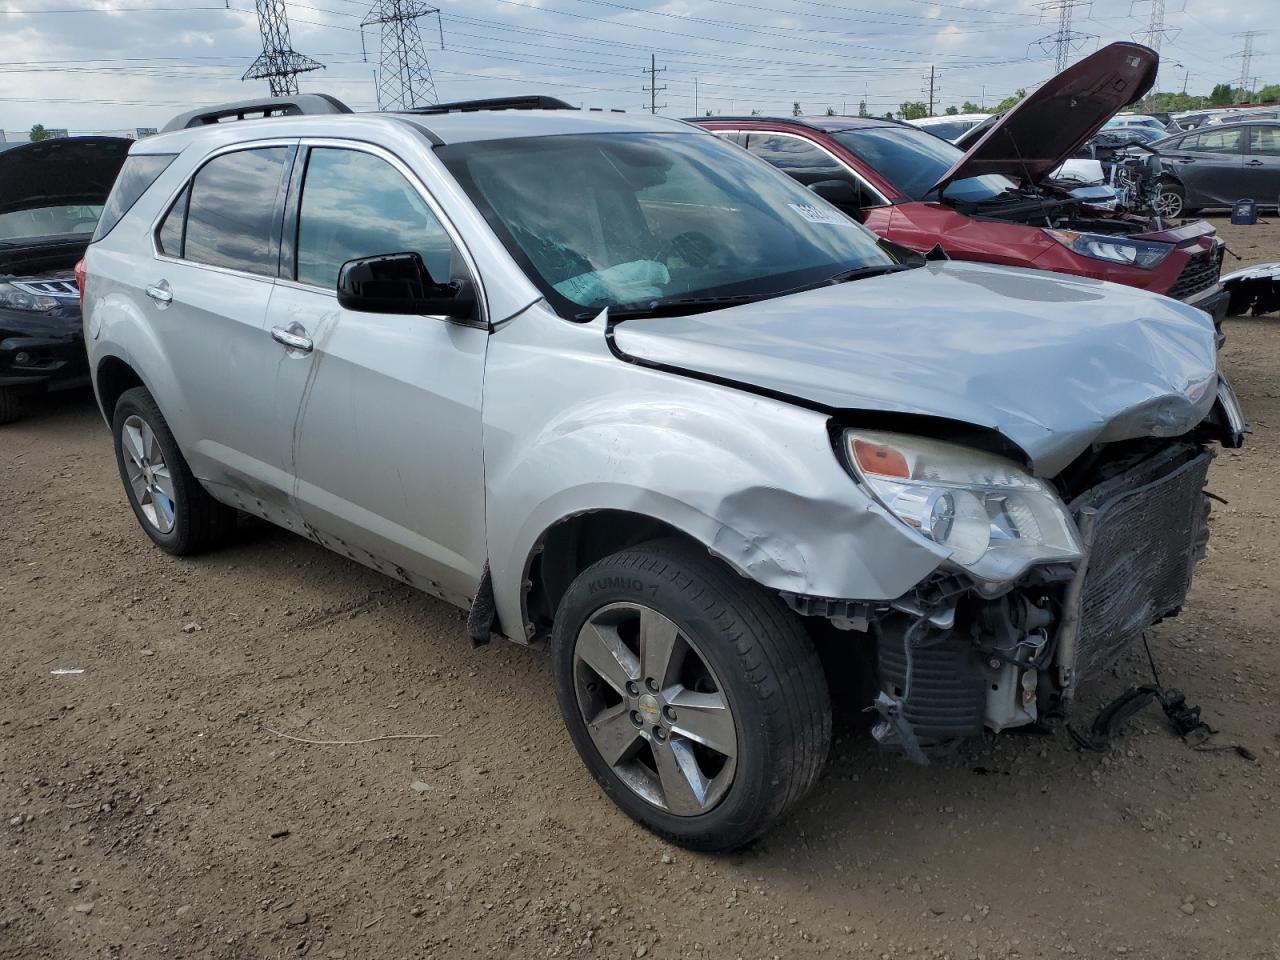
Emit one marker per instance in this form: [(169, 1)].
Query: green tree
[(1222, 94), (38, 132), (913, 110), (968, 107), (862, 108), (1008, 102), (888, 114), (952, 110), (831, 111), (795, 108), (1268, 93)]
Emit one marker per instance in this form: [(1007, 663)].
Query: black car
[(1218, 164), (51, 195)]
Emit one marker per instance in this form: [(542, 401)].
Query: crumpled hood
[(1053, 362), (60, 172), (1046, 127)]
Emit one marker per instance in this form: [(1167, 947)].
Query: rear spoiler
[(301, 104)]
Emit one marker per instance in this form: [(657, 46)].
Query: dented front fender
[(569, 428)]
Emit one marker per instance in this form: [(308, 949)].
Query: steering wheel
[(693, 247)]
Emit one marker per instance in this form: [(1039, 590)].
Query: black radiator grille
[(1200, 273), (1144, 532)]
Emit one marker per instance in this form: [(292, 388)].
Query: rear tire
[(729, 644), (10, 405), (172, 508)]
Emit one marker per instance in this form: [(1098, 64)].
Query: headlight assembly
[(1101, 246), (996, 519), (13, 297)]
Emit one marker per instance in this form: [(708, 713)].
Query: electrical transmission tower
[(1066, 40), (653, 89), (1245, 56), (932, 89), (403, 76), (278, 63), (1156, 32)]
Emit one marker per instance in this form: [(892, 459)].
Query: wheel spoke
[(139, 485), (660, 647), (705, 717), (149, 443), (615, 736), (600, 648), (131, 440), (684, 788), (164, 481)]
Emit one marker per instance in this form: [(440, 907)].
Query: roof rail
[(299, 104), (535, 102)]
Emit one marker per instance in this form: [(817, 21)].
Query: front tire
[(694, 697), (1171, 200), (10, 405), (172, 508)]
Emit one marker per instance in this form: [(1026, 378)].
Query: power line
[(653, 89), (1245, 83), (931, 87), (279, 64), (403, 77), (1066, 40), (1156, 32)]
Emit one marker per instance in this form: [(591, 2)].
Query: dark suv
[(52, 194)]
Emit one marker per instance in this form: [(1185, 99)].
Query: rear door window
[(1216, 141), (139, 172), (357, 205), (232, 210), (1264, 141)]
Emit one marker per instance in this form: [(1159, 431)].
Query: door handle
[(291, 339), (160, 292), (1185, 160)]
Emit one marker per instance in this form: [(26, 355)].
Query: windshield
[(55, 221), (949, 129), (643, 219), (913, 161)]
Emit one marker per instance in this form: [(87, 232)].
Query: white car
[(950, 126)]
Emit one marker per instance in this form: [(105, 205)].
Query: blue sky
[(99, 64)]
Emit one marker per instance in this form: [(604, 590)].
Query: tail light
[(80, 280)]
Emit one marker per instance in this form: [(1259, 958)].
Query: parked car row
[(998, 201)]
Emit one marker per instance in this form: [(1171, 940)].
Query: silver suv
[(614, 385)]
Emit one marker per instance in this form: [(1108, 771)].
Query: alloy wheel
[(654, 708), (1168, 204), (149, 475)]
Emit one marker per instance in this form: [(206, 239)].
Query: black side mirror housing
[(400, 283), (840, 193)]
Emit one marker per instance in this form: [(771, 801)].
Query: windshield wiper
[(861, 273), (682, 305)]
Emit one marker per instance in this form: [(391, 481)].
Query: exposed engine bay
[(952, 660), (1045, 208)]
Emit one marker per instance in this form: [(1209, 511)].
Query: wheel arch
[(572, 544), (112, 377)]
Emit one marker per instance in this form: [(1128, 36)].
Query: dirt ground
[(151, 809)]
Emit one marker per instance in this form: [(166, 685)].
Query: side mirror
[(840, 193), (400, 283)]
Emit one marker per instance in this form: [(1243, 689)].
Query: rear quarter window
[(138, 173)]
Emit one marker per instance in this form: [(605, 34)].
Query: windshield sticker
[(819, 215)]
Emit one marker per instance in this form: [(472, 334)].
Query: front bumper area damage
[(951, 660)]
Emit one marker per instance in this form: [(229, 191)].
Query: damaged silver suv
[(616, 386)]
